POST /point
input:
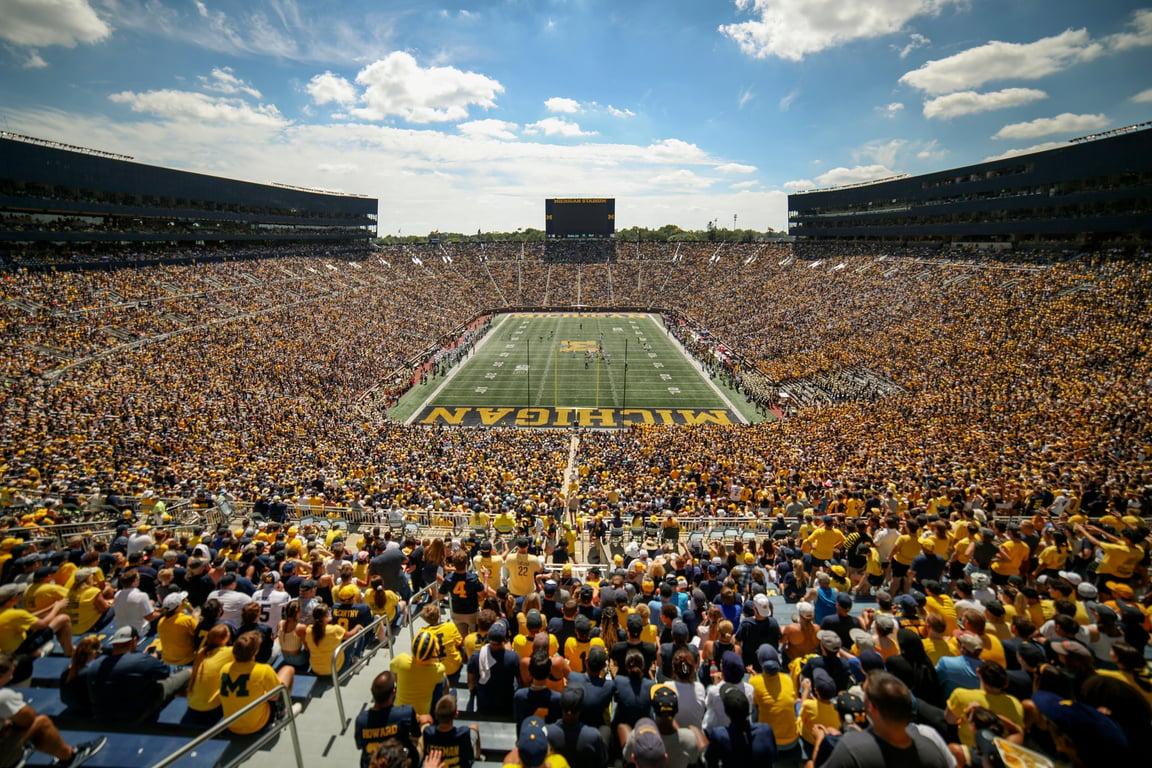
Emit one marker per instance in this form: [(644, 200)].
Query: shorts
[(11, 748), (875, 581), (900, 570)]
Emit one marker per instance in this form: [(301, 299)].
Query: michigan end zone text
[(559, 418)]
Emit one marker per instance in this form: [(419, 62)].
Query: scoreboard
[(566, 217)]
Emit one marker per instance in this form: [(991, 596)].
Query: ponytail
[(319, 618)]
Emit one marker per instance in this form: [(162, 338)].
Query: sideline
[(699, 367), (456, 369)]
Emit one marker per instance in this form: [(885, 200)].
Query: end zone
[(537, 417)]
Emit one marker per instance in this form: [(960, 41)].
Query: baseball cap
[(905, 603), (823, 684), (583, 624), (635, 623), (862, 638), (9, 591), (175, 600), (498, 632), (45, 571), (844, 600), (731, 667), (227, 579), (647, 745), (534, 619), (123, 635), (347, 593), (829, 640), (762, 605), (884, 622), (1087, 591), (1120, 590), (665, 703), (970, 642), (1086, 727), (679, 630), (769, 659), (1070, 648), (533, 743), (1071, 577), (805, 609), (749, 558)]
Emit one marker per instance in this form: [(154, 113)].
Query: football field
[(606, 370)]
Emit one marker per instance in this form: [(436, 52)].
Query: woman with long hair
[(208, 667), (73, 691), (291, 642), (689, 691), (322, 638), (915, 668), (610, 627), (210, 614)]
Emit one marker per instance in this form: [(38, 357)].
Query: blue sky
[(465, 115)]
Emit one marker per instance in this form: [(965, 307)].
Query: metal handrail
[(289, 722), (411, 605), (346, 721)]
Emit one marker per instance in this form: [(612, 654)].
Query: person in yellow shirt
[(488, 565), (935, 641), (419, 676), (524, 570), (1010, 558), (973, 621), (817, 706), (382, 602), (904, 551), (448, 640), (177, 632), (1121, 554), (991, 695), (822, 542), (534, 624), (22, 630), (321, 640), (245, 680), (941, 603), (1053, 558), (89, 606), (577, 647), (44, 591), (207, 669), (774, 697)]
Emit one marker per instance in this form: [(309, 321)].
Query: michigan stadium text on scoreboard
[(591, 217), (560, 418)]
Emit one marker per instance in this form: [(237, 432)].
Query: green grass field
[(558, 370)]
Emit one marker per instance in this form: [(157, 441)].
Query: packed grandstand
[(218, 547)]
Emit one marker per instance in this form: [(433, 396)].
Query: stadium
[(275, 488)]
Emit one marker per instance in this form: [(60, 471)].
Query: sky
[(462, 116)]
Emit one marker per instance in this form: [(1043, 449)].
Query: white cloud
[(1046, 126), (397, 86), (51, 22), (971, 102), (428, 178), (277, 28), (736, 168), (622, 113), (187, 105), (854, 175), (915, 40), (34, 60), (1138, 35), (891, 110), (561, 104), (746, 96), (799, 184), (331, 89), (556, 126), (224, 80), (792, 29), (682, 179), (492, 129), (745, 185), (998, 60), (1025, 151), (1144, 97), (789, 99), (931, 151)]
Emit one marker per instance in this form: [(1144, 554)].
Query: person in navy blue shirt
[(383, 721), (127, 687), (453, 742), (739, 743)]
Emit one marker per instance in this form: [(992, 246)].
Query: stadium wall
[(1099, 190)]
